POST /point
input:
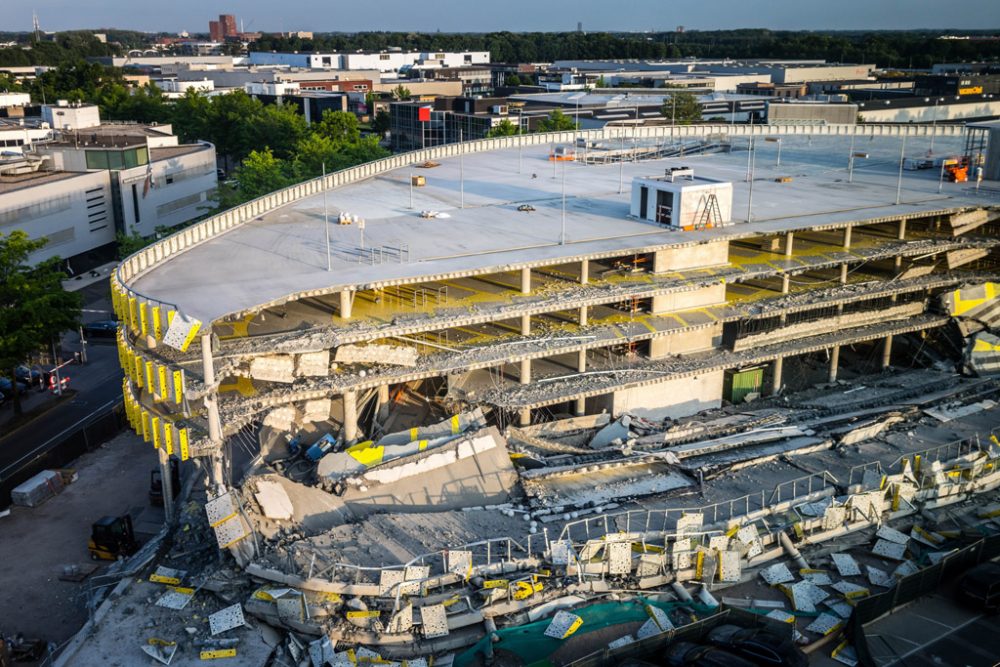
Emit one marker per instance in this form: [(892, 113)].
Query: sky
[(514, 15)]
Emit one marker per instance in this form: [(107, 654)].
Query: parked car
[(30, 376), (101, 329), (7, 386), (759, 645), (687, 654), (980, 587)]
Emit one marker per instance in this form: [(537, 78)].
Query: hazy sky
[(516, 15)]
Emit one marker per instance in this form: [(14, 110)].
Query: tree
[(380, 123), (401, 92), (261, 173), (512, 80), (504, 128), (681, 107), (311, 153), (556, 122), (278, 127), (34, 307), (230, 125), (341, 127)]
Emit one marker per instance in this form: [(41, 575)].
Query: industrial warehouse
[(572, 396)]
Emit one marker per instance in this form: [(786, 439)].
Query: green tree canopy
[(341, 127), (512, 80), (34, 307), (401, 92), (504, 128), (556, 122), (681, 107), (278, 127), (261, 173)]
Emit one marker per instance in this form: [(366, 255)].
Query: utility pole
[(461, 167), (750, 196), (850, 158), (326, 220)]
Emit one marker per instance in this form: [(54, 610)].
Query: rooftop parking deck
[(281, 254)]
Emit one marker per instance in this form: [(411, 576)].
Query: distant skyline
[(513, 15)]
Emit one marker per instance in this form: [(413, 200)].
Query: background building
[(87, 181)]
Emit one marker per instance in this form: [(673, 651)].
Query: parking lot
[(37, 543), (935, 631)]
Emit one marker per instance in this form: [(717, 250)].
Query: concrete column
[(383, 402), (168, 485), (583, 316), (785, 283), (524, 417), (789, 243), (902, 230), (834, 361), (350, 417), (525, 371), (843, 274), (777, 368), (847, 237), (525, 325), (346, 302), (585, 272), (887, 351), (580, 407), (215, 476), (581, 361), (525, 281)]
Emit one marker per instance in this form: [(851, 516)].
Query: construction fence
[(914, 586)]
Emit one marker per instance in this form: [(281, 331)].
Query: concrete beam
[(215, 472), (834, 362), (350, 417), (346, 303), (777, 367), (383, 402), (167, 486)]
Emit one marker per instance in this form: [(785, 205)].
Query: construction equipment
[(156, 482), (956, 169), (112, 538)]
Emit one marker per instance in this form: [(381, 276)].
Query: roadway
[(98, 387)]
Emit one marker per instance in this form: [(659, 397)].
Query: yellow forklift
[(111, 538)]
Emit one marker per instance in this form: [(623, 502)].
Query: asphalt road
[(98, 386)]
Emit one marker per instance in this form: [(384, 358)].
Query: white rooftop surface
[(282, 253)]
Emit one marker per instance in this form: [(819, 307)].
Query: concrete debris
[(947, 413), (615, 432), (274, 501), (395, 355), (273, 368), (312, 364)]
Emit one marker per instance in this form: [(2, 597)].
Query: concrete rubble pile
[(412, 547)]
